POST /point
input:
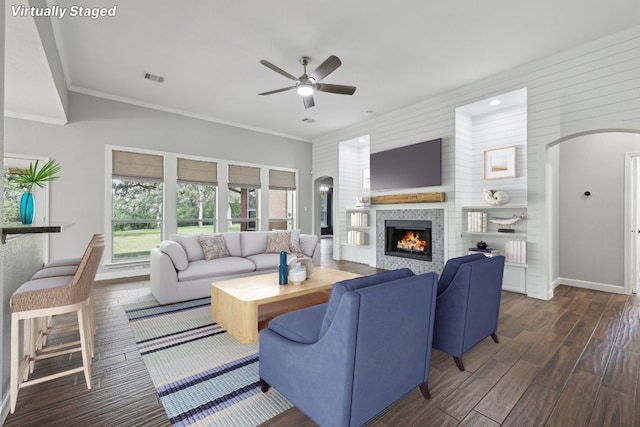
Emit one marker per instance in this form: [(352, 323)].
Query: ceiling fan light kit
[(305, 89), (307, 84)]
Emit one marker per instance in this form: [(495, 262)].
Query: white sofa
[(180, 272)]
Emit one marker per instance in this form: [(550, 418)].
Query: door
[(632, 214), (635, 280)]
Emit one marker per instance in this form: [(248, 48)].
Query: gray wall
[(591, 229), (94, 122)]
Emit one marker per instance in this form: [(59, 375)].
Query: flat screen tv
[(411, 166)]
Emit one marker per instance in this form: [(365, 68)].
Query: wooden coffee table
[(235, 302)]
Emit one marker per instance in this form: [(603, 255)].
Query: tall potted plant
[(31, 177)]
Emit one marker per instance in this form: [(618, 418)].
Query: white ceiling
[(397, 54)]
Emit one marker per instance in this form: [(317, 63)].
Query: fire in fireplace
[(408, 239)]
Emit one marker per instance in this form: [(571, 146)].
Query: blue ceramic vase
[(27, 208), (283, 269)]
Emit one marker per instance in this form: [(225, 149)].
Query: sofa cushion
[(213, 246), (232, 241), (451, 268), (191, 245), (176, 252), (278, 241), (340, 288), (215, 267), (308, 243), (302, 326), (253, 242), (269, 261)]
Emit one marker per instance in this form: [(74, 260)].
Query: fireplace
[(408, 239)]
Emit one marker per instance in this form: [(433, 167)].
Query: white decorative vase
[(297, 274)]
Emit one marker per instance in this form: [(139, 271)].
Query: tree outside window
[(196, 208), (136, 217)]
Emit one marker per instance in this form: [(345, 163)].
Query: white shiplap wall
[(503, 128), (353, 158), (594, 86)]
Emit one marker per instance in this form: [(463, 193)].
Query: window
[(11, 197), (196, 196), (137, 197), (244, 184), (323, 206), (13, 191), (282, 193)]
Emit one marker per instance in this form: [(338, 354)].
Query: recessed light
[(494, 102), (308, 120), (361, 140)]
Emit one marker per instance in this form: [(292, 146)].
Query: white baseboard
[(123, 274), (605, 287)]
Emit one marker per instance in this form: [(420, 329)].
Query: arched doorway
[(593, 239), (323, 206)]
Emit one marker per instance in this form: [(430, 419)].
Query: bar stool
[(58, 268), (46, 297)]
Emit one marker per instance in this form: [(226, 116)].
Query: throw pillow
[(213, 246), (295, 242), (278, 241), (176, 253)]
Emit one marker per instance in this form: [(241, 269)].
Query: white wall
[(503, 128), (79, 146), (591, 229), (594, 86)]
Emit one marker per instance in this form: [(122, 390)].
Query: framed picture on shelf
[(500, 163)]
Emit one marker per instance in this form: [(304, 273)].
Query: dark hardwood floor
[(574, 360)]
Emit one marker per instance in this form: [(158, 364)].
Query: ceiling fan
[(305, 85)]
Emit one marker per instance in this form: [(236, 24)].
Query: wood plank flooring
[(574, 360)]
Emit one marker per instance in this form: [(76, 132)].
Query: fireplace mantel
[(408, 198)]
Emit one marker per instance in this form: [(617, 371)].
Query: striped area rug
[(203, 376)]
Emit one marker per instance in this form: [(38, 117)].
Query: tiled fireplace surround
[(436, 216)]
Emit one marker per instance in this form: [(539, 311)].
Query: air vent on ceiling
[(308, 120), (153, 77)]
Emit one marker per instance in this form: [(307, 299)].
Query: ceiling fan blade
[(339, 89), (308, 101), (277, 69), (326, 68), (277, 90)]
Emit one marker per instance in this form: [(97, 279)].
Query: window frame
[(169, 202)]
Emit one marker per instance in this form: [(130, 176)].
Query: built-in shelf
[(494, 233), (513, 264), (514, 278), (358, 223), (18, 228)]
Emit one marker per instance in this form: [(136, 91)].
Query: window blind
[(137, 165), (244, 176), (197, 172), (282, 180)]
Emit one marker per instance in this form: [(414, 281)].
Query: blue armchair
[(344, 362), (468, 304)]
